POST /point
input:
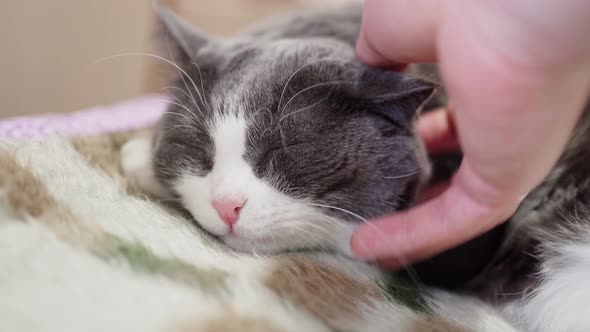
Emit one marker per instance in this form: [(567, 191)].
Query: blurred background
[(52, 49)]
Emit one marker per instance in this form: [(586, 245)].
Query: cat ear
[(393, 95), (179, 37)]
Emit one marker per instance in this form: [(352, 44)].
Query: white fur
[(470, 312), (270, 220), (230, 177), (562, 301), (136, 160)]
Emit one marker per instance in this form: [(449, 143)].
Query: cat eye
[(396, 125)]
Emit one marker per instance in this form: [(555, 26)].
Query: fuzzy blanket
[(82, 249)]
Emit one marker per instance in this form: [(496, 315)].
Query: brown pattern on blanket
[(103, 152), (28, 198), (325, 292), (24, 193), (152, 269)]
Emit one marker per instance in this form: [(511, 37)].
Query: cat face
[(278, 144)]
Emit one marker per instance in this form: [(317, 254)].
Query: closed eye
[(272, 151), (286, 146), (340, 184), (395, 124)]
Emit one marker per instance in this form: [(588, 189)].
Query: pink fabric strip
[(128, 115)]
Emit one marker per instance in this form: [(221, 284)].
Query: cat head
[(285, 143)]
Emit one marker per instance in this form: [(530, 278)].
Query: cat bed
[(84, 249)]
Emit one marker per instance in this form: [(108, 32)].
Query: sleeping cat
[(279, 139)]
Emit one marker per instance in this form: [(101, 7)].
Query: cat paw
[(136, 161), (342, 240)]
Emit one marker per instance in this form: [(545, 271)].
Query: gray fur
[(321, 125), (349, 143)]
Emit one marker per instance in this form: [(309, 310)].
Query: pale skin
[(518, 77)]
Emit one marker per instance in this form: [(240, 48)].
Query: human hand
[(518, 75)]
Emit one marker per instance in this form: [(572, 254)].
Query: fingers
[(433, 191), (438, 132), (458, 215), (398, 32), (506, 102)]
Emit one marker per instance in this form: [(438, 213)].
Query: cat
[(280, 139)]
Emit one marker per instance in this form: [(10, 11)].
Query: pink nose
[(229, 210)]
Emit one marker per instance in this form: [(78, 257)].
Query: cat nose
[(229, 210)]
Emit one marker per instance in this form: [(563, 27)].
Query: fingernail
[(366, 53)]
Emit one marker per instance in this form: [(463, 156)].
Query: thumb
[(398, 32), (469, 207)]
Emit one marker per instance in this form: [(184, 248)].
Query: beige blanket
[(82, 249)]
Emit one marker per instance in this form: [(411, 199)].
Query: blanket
[(82, 248)]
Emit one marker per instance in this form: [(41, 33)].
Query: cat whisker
[(404, 262), (176, 88), (339, 209), (304, 108), (321, 233), (403, 176), (292, 76), (178, 68), (183, 80), (318, 61), (318, 85), (288, 225), (189, 119), (177, 99), (204, 100), (178, 127), (319, 216), (279, 109), (184, 116), (311, 240), (192, 114), (299, 229)]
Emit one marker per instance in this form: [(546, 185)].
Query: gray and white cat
[(279, 139)]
